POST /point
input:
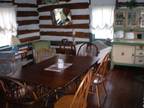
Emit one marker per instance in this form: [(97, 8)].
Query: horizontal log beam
[(29, 39), (45, 17), (70, 6), (84, 26), (26, 5), (80, 16), (26, 13), (57, 33), (27, 31), (27, 22)]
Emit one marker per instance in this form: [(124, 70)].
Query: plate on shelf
[(129, 35)]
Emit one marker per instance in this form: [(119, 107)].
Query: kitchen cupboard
[(128, 53), (128, 42)]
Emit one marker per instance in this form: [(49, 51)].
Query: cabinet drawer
[(139, 52), (139, 60), (139, 47)]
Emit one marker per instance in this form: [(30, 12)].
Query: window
[(102, 18), (8, 26)]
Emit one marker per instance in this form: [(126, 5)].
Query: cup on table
[(60, 63)]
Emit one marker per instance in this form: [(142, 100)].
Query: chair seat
[(65, 102)]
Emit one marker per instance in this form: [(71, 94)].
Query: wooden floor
[(125, 87)]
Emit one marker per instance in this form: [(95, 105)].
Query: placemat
[(55, 68)]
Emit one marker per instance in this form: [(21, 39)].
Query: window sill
[(3, 48)]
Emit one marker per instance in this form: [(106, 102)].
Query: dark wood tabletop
[(37, 74)]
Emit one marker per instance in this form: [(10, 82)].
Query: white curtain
[(8, 25), (102, 18)]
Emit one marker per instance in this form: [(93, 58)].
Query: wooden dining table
[(37, 73), (55, 80)]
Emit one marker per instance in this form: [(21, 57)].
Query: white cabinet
[(128, 53), (123, 54), (128, 44)]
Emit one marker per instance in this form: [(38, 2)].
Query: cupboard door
[(120, 18), (141, 19), (123, 54)]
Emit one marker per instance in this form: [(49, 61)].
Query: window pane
[(102, 18), (8, 25), (5, 38)]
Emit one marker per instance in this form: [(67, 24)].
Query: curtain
[(8, 25), (102, 18)]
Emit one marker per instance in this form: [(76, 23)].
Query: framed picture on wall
[(142, 19), (61, 16)]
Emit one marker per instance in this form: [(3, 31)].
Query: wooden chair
[(42, 51), (88, 49), (17, 92), (99, 78), (79, 100), (43, 54), (66, 47)]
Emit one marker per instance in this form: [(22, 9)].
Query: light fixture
[(14, 42)]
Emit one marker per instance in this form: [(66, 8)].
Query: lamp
[(14, 41)]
